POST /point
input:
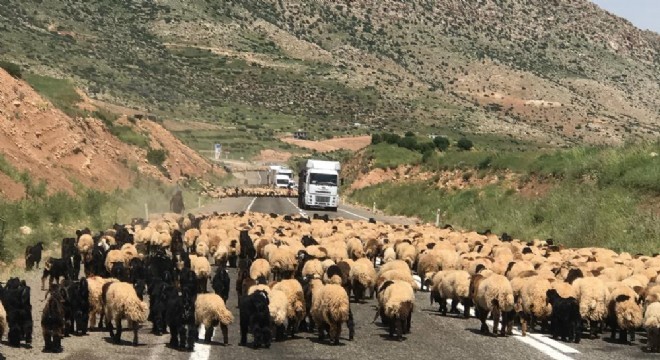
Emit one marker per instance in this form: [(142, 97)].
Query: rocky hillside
[(555, 72), (40, 142)]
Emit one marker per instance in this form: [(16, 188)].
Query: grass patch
[(129, 136), (60, 92), (387, 156), (55, 216), (574, 215)]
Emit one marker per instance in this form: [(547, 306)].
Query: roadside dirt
[(37, 138), (346, 143)]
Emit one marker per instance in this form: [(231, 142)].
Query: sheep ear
[(622, 298)]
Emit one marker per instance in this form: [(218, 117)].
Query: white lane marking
[(546, 339), (202, 351), (356, 215), (540, 342), (250, 206), (297, 208)]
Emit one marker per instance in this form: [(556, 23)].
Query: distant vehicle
[(318, 185), (280, 177)]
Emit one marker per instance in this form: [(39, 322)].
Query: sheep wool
[(129, 252), (312, 268), (295, 298), (398, 299), (122, 303), (628, 312), (652, 326), (260, 268), (278, 306), (85, 243), (389, 255), (210, 310), (455, 284), (113, 256), (495, 287), (202, 249), (3, 321), (592, 295)]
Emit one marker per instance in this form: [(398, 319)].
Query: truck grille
[(323, 199)]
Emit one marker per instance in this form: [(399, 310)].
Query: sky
[(645, 14)]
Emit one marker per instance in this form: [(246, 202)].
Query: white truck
[(280, 177), (318, 185)]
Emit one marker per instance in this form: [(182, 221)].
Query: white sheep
[(122, 302), (211, 311)]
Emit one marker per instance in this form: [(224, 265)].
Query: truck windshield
[(323, 179), (282, 181)]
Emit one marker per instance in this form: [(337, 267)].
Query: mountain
[(552, 72), (39, 143)]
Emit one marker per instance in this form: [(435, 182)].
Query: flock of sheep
[(299, 274), (254, 191)]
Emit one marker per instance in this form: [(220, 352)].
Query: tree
[(376, 139), (408, 142), (441, 143), (409, 134), (464, 144)]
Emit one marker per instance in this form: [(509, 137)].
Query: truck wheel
[(333, 209)]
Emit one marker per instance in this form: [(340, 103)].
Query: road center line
[(297, 208), (544, 344), (250, 206), (202, 351), (356, 215)]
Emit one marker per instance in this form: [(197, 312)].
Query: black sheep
[(16, 301), (247, 246), (54, 269), (180, 318), (565, 319), (53, 320), (78, 299), (33, 255), (70, 251), (157, 305), (221, 283), (255, 318)]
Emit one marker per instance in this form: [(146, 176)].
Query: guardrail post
[(373, 208), (437, 218), (146, 211)]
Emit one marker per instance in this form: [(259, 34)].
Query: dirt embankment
[(37, 138), (354, 143)]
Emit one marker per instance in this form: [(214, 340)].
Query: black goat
[(54, 269), (16, 300), (565, 320), (221, 283), (77, 301), (53, 320), (33, 255), (255, 318)]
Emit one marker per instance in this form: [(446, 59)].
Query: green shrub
[(376, 139), (12, 69), (156, 156), (441, 142), (464, 144), (129, 136)]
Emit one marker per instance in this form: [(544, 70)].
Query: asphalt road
[(432, 336)]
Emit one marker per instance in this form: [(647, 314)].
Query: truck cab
[(319, 185)]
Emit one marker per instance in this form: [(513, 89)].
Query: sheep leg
[(225, 334), (443, 306), (322, 328), (48, 347), (45, 275), (209, 334), (399, 328), (119, 330), (192, 337), (174, 338), (406, 330), (243, 341), (108, 325), (482, 314), (593, 330), (577, 331), (632, 335), (454, 306), (351, 325), (57, 344), (496, 320)]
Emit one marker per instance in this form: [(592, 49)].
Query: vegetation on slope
[(558, 72), (596, 197)]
